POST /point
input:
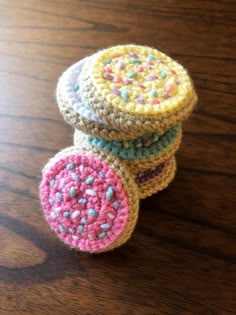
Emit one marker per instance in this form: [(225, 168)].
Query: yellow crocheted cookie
[(129, 85)]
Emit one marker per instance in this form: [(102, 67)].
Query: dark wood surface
[(181, 258)]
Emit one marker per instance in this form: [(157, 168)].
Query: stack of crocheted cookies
[(126, 104)]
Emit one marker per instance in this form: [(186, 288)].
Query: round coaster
[(77, 112), (137, 88), (141, 153), (157, 179), (89, 200)]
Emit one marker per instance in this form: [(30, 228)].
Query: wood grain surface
[(181, 258)]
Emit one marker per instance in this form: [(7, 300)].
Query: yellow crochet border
[(103, 86)]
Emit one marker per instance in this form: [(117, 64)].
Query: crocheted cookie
[(77, 112), (90, 200), (140, 154), (137, 88), (157, 179)]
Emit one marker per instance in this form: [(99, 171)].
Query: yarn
[(90, 200), (126, 103), (77, 102), (156, 180), (133, 109), (77, 112), (143, 147), (166, 146)]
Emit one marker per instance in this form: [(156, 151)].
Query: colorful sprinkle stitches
[(146, 146), (81, 221), (76, 87), (124, 94), (147, 72)]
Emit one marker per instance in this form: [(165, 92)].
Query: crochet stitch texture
[(126, 104), (87, 202)]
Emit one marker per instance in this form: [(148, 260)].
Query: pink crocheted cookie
[(87, 204)]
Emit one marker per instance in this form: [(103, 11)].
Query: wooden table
[(181, 257)]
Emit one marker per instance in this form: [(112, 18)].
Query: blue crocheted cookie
[(146, 146)]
